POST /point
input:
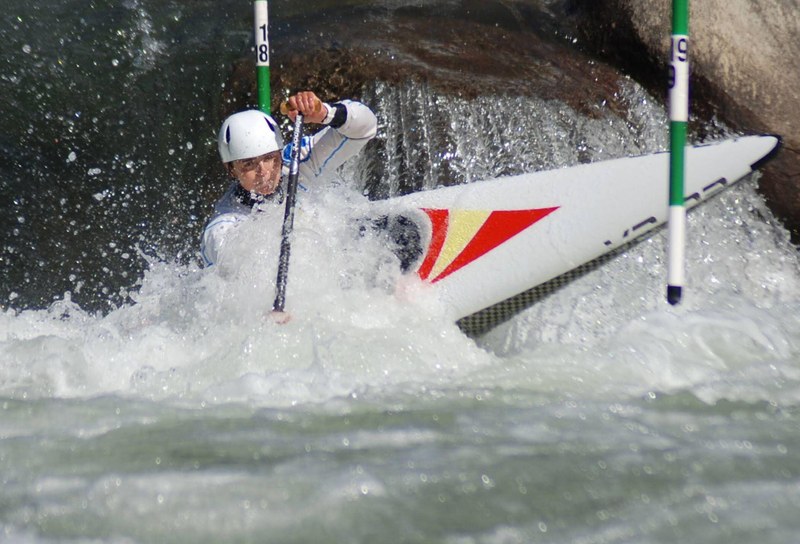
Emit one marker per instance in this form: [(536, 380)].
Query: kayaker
[(252, 150)]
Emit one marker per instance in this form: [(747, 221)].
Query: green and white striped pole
[(679, 118), (262, 55)]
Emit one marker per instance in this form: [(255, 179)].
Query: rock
[(469, 52), (745, 62)]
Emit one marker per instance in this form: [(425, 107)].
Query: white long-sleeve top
[(352, 126)]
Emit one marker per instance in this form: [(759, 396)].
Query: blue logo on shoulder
[(305, 151)]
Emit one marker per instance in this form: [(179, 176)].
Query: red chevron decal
[(439, 221), (449, 231)]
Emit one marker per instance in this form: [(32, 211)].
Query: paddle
[(288, 217)]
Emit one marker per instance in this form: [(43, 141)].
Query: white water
[(204, 335), (200, 335), (735, 335), (599, 415)]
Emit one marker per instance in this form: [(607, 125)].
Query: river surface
[(145, 399)]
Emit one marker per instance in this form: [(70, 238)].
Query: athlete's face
[(260, 174)]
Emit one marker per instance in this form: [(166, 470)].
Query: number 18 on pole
[(679, 118), (262, 55)]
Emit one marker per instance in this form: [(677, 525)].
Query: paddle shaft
[(679, 117), (288, 217)]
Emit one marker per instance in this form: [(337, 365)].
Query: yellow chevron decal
[(462, 228)]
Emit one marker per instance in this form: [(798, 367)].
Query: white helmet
[(248, 134)]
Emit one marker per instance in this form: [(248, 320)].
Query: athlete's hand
[(307, 103)]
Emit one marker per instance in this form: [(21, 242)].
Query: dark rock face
[(745, 62), (480, 50)]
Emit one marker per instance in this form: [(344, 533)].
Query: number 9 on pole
[(679, 78)]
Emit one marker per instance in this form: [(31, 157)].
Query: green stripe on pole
[(677, 167), (264, 92), (680, 17), (262, 54)]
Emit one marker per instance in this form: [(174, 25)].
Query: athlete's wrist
[(330, 111), (337, 115)]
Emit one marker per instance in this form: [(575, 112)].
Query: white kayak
[(484, 242)]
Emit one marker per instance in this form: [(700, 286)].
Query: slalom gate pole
[(262, 54), (288, 217), (679, 118)]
